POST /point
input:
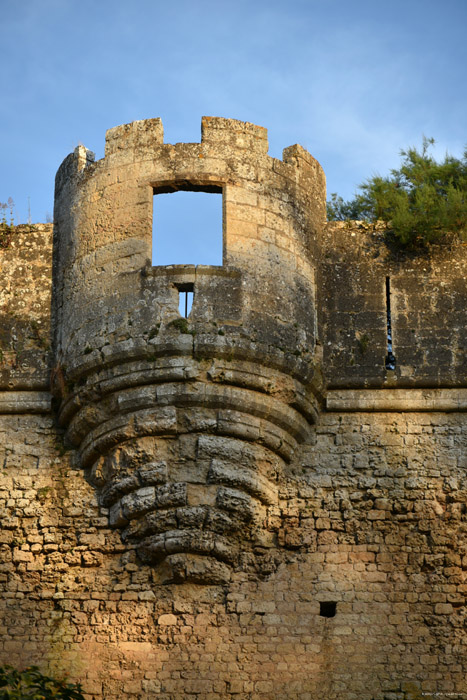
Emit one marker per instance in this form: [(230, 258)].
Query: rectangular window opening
[(187, 225), (390, 359)]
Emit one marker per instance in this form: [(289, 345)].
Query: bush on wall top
[(422, 201)]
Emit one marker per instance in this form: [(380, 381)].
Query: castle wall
[(371, 520), (25, 292), (245, 503), (427, 304)]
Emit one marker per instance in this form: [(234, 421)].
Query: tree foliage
[(31, 684), (422, 201)]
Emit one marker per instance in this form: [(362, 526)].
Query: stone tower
[(185, 424)]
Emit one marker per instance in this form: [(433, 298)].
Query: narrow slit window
[(186, 295), (187, 225), (185, 302), (390, 359)]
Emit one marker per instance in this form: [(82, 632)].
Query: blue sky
[(351, 81)]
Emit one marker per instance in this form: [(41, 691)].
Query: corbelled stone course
[(243, 504)]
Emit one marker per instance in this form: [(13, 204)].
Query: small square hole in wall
[(327, 609), (187, 227)]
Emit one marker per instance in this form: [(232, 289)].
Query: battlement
[(147, 133), (220, 138)]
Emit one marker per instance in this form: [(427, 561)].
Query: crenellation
[(129, 138), (244, 503), (240, 135)]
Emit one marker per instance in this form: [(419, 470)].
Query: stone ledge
[(397, 400), (25, 402)]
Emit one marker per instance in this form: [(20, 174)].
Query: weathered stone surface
[(425, 290), (245, 503), (25, 290)]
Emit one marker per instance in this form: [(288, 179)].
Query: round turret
[(185, 423)]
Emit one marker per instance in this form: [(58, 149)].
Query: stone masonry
[(248, 503)]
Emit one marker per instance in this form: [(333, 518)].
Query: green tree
[(31, 684), (422, 201)]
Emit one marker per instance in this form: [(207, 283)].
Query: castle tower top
[(272, 213)]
